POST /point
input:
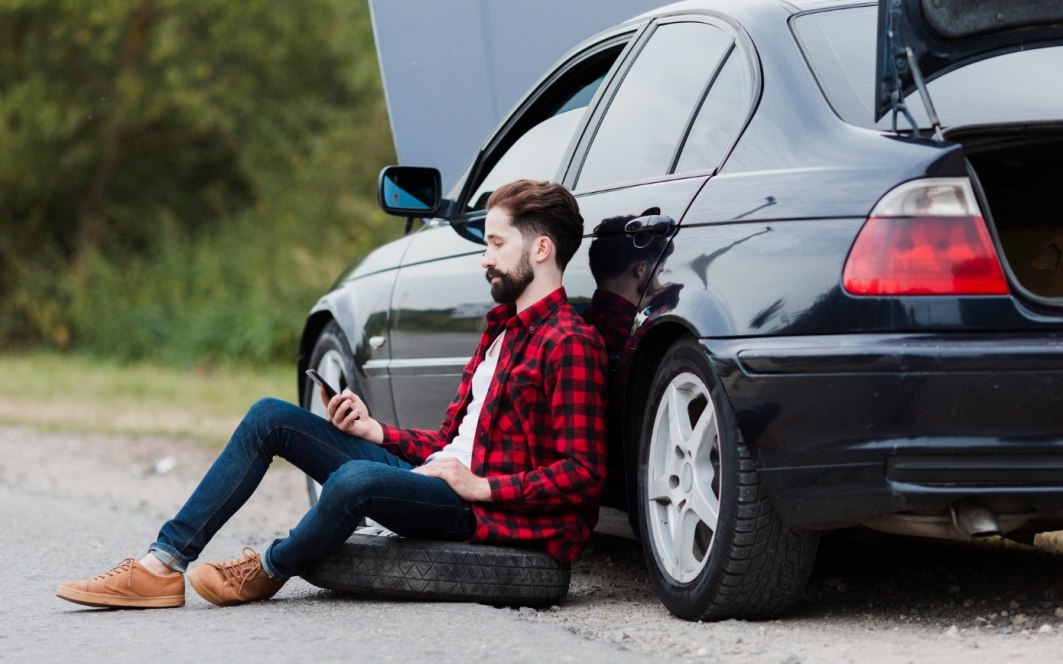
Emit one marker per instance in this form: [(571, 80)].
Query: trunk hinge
[(904, 59), (924, 94)]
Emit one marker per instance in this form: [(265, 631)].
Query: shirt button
[(531, 328)]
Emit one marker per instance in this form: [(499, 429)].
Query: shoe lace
[(242, 569), (121, 567)]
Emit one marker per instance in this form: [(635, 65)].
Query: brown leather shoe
[(234, 581), (129, 585)]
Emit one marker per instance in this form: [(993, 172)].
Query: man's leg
[(407, 503), (271, 428)]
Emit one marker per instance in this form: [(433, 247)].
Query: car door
[(440, 294), (668, 125)]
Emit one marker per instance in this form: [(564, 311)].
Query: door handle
[(376, 342), (645, 228), (657, 224)]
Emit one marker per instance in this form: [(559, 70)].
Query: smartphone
[(316, 377)]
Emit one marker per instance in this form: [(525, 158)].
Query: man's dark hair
[(543, 208), (613, 250)]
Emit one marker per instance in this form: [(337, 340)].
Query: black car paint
[(956, 396), (757, 266)]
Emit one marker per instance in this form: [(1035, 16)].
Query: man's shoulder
[(567, 325)]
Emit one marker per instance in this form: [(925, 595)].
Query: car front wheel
[(714, 545)]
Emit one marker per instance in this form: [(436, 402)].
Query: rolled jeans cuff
[(267, 564), (169, 557)]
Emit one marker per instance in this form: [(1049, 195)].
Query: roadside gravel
[(872, 597)]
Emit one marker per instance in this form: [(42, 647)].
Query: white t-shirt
[(461, 447)]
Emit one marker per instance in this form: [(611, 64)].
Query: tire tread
[(427, 570), (767, 564)]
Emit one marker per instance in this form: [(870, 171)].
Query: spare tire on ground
[(451, 571)]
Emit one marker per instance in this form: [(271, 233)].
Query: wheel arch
[(649, 350), (315, 323)]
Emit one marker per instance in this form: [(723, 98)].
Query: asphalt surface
[(74, 505), (47, 540)]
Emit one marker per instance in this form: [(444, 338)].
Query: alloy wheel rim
[(330, 367), (683, 478)]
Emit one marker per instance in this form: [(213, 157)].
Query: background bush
[(181, 179)]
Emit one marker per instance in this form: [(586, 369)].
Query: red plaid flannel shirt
[(540, 439), (612, 315)]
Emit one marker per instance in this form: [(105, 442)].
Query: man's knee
[(267, 408), (267, 416), (269, 413), (356, 480)]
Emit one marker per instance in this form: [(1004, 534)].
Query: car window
[(649, 113), (535, 146), (535, 156), (719, 118), (1023, 86)]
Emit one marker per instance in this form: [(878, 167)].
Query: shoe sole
[(193, 577), (117, 602)]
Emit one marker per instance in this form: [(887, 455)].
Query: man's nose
[(488, 261)]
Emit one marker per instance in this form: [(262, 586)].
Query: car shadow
[(880, 579), (991, 583)]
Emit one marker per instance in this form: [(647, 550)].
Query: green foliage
[(180, 179)]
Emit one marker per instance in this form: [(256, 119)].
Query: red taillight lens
[(925, 253)]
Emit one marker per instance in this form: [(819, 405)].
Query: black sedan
[(824, 245)]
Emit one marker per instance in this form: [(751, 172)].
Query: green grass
[(79, 393)]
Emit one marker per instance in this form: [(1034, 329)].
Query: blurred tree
[(138, 137)]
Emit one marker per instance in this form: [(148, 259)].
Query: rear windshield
[(1023, 86)]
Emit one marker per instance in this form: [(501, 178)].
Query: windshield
[(1024, 86)]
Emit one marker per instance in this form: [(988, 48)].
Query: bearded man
[(520, 456)]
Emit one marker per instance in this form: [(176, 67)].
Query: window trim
[(742, 44), (791, 23), (694, 112)]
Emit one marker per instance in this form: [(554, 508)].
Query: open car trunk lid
[(947, 34)]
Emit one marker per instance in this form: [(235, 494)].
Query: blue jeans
[(359, 479)]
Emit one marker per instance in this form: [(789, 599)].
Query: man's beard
[(511, 284)]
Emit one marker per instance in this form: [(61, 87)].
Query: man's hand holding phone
[(349, 414)]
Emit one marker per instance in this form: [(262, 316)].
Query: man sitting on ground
[(520, 455)]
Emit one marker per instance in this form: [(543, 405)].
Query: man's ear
[(542, 249), (638, 269)]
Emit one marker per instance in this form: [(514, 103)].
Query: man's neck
[(625, 288), (539, 288)]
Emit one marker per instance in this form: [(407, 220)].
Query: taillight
[(925, 237)]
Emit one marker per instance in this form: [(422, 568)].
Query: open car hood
[(948, 34)]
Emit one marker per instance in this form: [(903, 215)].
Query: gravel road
[(73, 505)]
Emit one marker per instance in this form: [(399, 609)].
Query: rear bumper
[(847, 427)]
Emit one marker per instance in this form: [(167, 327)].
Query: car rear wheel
[(714, 545), (331, 359)]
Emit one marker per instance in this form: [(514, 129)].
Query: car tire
[(457, 571), (741, 562), (331, 358)]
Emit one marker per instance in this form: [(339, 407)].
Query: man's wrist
[(377, 433), (484, 492)]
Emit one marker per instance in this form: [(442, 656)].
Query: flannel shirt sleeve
[(575, 384), (414, 445)]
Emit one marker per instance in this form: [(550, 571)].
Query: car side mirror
[(410, 191)]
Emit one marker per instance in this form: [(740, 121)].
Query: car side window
[(719, 118), (649, 114), (538, 142)]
